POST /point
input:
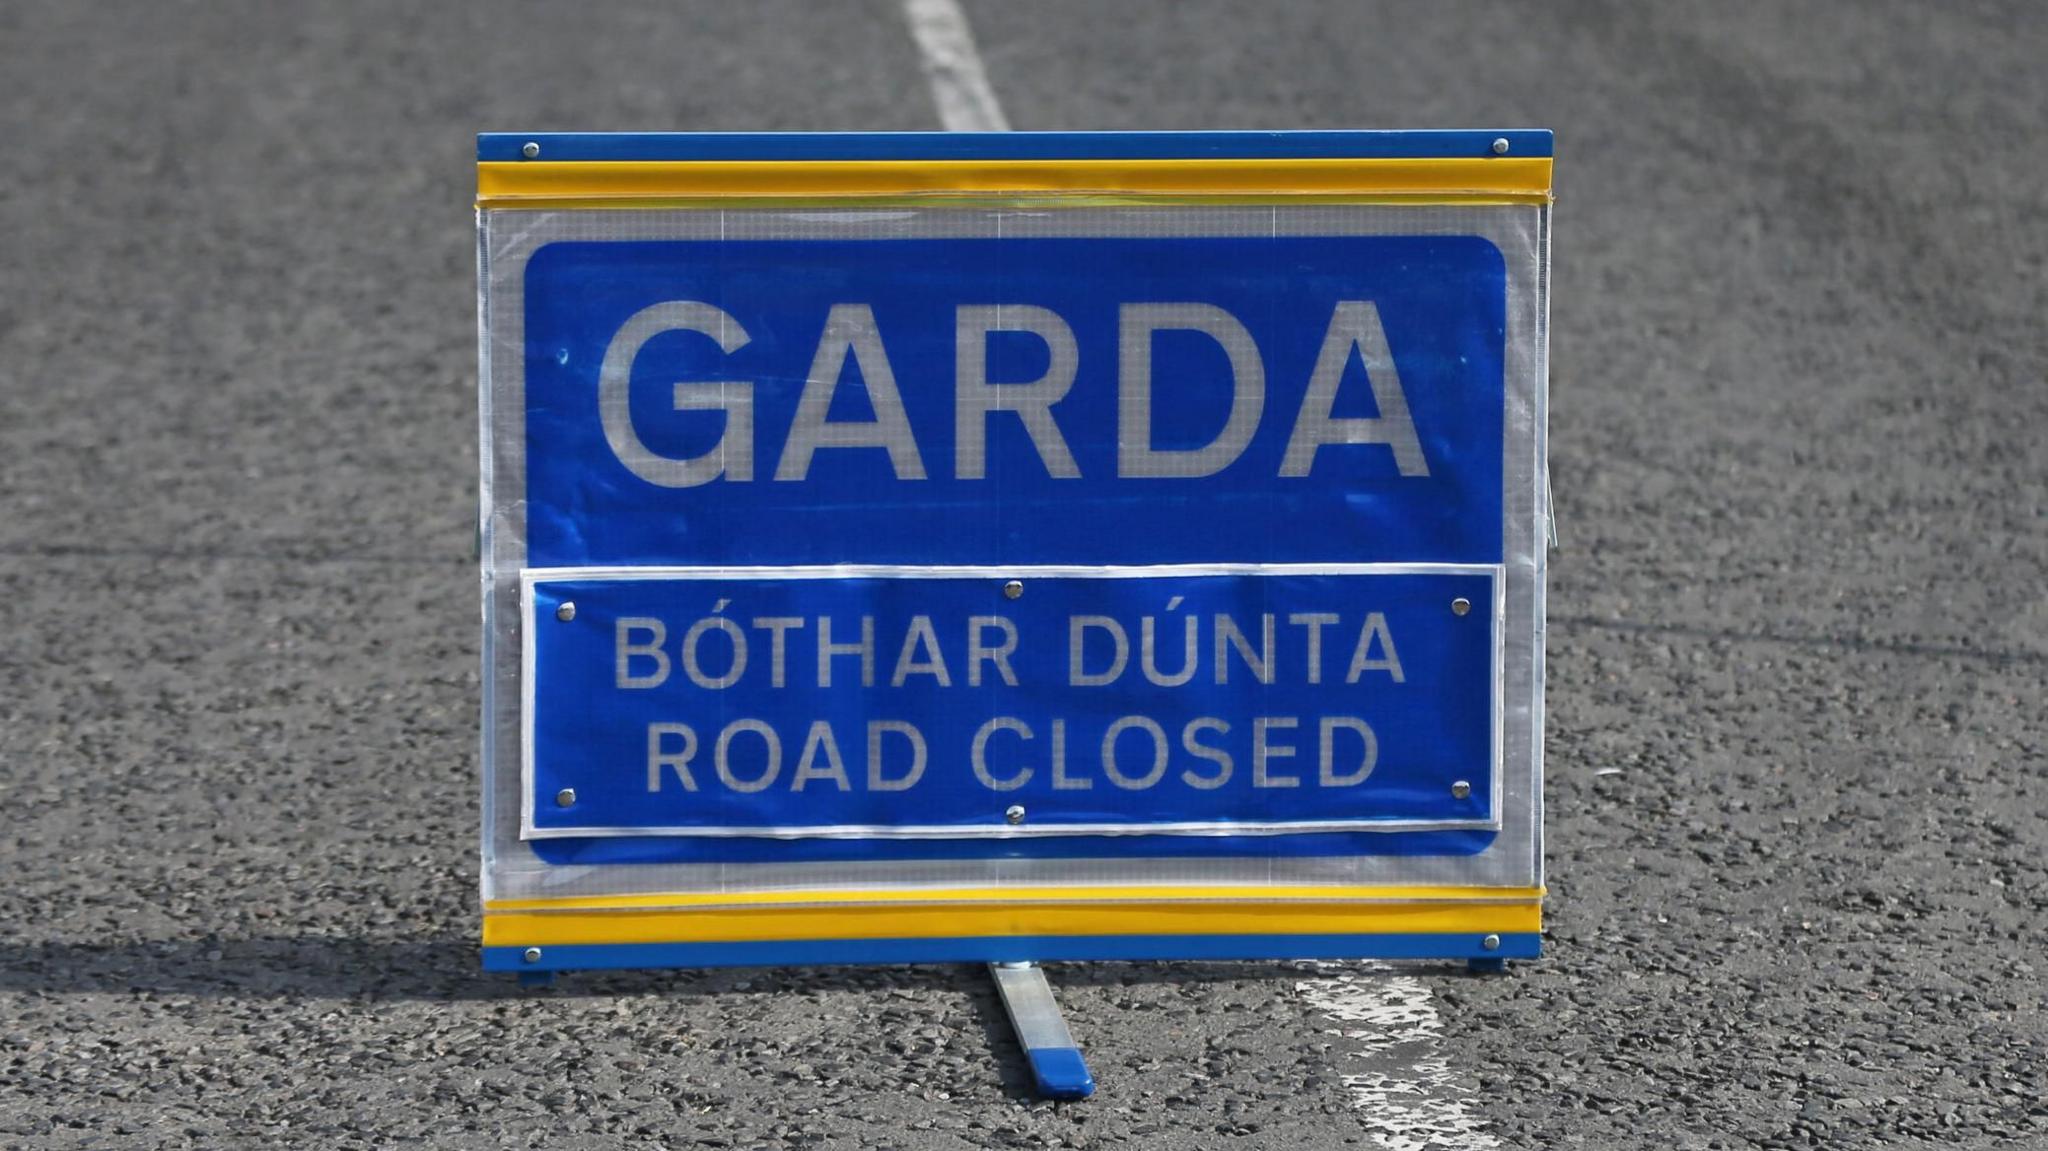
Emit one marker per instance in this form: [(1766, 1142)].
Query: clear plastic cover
[(517, 867)]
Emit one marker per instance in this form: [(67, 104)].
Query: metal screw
[(565, 797), (533, 955), (1014, 813), (1459, 790), (567, 612), (1491, 943), (531, 149), (1459, 606), (1013, 589), (1500, 147)]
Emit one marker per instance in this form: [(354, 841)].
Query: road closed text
[(848, 701), (1136, 752)]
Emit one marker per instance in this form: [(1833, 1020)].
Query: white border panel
[(512, 870)]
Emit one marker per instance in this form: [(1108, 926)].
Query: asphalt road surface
[(1798, 696)]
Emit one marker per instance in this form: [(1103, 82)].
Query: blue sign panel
[(861, 702), (1317, 421), (1097, 400)]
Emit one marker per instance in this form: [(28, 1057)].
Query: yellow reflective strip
[(1061, 895), (542, 183), (1026, 202), (739, 925)]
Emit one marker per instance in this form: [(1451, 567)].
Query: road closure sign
[(1012, 547)]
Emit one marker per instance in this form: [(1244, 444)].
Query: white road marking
[(959, 84), (1408, 1097)]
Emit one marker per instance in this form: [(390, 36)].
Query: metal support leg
[(1056, 1064), (1486, 966), (536, 978)]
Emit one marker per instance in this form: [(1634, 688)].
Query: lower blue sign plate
[(984, 702)]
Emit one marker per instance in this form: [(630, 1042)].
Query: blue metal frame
[(1011, 949), (799, 146)]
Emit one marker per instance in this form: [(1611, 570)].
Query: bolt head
[(1491, 943), (1013, 589), (1460, 606), (565, 797), (566, 612), (529, 149), (1500, 146), (1014, 813), (532, 955), (1460, 789)]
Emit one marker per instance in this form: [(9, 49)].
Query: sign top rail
[(685, 169), (573, 147)]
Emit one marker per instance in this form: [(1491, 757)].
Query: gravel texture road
[(1798, 740)]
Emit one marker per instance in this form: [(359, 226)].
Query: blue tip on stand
[(1061, 1073)]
